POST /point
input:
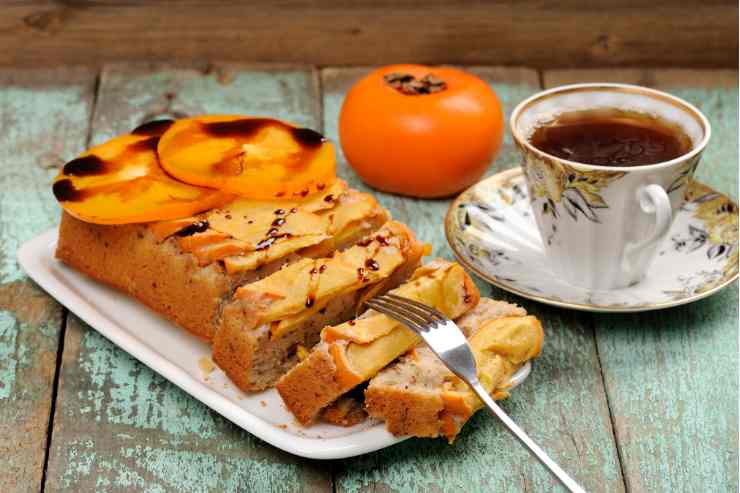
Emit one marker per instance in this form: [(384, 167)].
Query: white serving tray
[(178, 357)]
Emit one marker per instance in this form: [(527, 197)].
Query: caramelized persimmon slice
[(121, 182), (209, 253), (190, 243), (345, 375), (164, 229), (259, 158)]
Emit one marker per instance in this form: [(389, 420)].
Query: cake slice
[(419, 396), (186, 269), (267, 321), (355, 351)]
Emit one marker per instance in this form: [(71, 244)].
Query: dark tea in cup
[(611, 137)]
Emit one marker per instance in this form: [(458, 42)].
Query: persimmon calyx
[(411, 86)]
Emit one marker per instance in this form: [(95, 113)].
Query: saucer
[(492, 231)]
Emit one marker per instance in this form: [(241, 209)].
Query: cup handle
[(653, 199)]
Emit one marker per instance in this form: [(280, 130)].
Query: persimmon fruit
[(420, 131), (120, 182), (258, 158)]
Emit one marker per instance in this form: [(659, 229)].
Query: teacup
[(601, 225)]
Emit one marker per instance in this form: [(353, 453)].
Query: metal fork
[(450, 345)]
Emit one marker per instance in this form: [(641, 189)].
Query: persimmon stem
[(411, 86)]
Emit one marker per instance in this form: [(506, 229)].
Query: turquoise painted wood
[(563, 404), (671, 375), (44, 117), (119, 426), (651, 397)]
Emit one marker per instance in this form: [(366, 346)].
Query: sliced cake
[(266, 322), (419, 396), (355, 351)]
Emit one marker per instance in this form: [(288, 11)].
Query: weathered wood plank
[(119, 426), (671, 375), (44, 117), (330, 32), (562, 405)]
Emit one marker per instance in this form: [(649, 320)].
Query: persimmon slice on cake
[(121, 182), (258, 158), (247, 234)]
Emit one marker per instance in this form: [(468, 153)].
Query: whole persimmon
[(420, 131)]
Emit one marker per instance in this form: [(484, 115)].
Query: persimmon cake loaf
[(416, 394), (264, 194), (350, 409)]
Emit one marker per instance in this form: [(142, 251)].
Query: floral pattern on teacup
[(561, 186), (685, 173), (719, 216)]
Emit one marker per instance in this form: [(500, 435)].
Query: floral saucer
[(491, 230)]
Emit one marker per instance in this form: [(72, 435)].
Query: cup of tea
[(606, 167)]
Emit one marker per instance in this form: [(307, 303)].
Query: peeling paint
[(8, 354), (27, 204), (143, 434), (154, 469), (123, 391), (43, 121)]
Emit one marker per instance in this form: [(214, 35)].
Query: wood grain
[(562, 404), (328, 32), (44, 117), (671, 375), (119, 426)]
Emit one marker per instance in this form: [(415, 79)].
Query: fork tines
[(414, 314)]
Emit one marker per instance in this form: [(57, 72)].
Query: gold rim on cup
[(674, 101)]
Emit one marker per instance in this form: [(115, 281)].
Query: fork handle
[(514, 429)]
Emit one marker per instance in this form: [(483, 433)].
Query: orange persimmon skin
[(426, 145)]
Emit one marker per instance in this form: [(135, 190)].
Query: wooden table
[(644, 402)]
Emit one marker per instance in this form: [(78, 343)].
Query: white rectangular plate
[(176, 356)]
